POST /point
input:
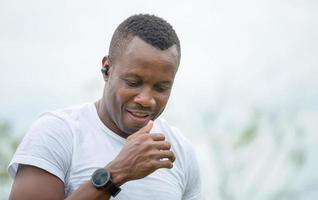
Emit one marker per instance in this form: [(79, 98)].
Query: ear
[(105, 68)]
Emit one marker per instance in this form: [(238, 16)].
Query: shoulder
[(71, 112), (48, 143), (65, 118), (60, 124)]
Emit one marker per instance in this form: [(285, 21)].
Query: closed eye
[(132, 83), (162, 88)]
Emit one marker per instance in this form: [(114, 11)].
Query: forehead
[(137, 50)]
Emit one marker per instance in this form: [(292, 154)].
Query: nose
[(145, 98)]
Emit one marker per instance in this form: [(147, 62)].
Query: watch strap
[(112, 189)]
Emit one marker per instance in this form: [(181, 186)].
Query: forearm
[(88, 192)]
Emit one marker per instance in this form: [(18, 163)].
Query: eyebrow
[(165, 82), (132, 75)]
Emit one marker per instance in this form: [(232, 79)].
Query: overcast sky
[(254, 53), (236, 55)]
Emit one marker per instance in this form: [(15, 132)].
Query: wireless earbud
[(104, 70)]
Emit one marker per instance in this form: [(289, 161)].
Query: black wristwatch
[(102, 180)]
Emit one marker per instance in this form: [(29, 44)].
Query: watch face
[(100, 177)]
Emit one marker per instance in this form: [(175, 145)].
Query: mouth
[(139, 117)]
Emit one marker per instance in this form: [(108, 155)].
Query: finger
[(157, 136), (162, 145), (166, 155), (164, 164), (146, 129)]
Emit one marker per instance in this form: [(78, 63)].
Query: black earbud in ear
[(104, 70)]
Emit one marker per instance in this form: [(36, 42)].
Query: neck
[(103, 116)]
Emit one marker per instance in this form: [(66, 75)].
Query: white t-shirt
[(72, 143)]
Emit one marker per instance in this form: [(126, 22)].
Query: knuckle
[(167, 164), (154, 164), (162, 136), (144, 137), (168, 144), (153, 154), (158, 136), (170, 165), (171, 156), (148, 146)]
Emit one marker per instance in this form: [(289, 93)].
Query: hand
[(142, 154)]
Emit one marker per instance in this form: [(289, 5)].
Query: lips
[(140, 117)]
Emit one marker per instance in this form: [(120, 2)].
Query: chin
[(132, 129)]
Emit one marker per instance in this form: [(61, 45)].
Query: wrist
[(118, 178), (102, 180)]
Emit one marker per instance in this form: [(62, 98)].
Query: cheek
[(161, 101), (115, 98), (123, 96)]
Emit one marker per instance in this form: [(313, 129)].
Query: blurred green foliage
[(247, 136), (8, 144)]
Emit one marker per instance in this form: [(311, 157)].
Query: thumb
[(146, 128)]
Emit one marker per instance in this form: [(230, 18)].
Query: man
[(116, 147)]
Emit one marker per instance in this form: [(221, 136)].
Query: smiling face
[(137, 86)]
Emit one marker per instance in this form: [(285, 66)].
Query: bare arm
[(142, 154), (32, 183)]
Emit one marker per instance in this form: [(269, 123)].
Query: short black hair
[(150, 28)]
